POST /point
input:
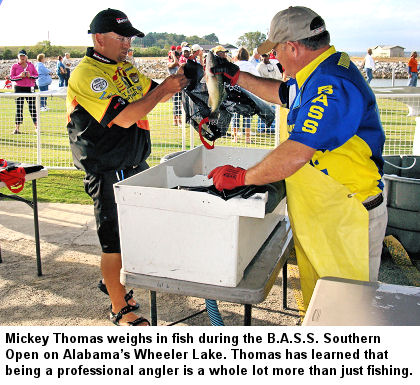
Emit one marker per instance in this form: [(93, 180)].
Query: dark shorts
[(100, 188)]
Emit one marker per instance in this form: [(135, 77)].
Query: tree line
[(164, 40), (154, 44)]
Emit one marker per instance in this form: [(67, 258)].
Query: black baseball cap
[(112, 20)]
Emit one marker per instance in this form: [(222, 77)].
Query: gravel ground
[(66, 294)]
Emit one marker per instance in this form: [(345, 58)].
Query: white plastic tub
[(188, 235)]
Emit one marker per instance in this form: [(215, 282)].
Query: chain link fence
[(48, 143)]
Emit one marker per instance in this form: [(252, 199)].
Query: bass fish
[(215, 88)]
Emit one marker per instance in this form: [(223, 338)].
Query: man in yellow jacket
[(332, 160)]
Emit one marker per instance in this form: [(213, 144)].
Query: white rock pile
[(156, 68), (153, 68), (384, 70)]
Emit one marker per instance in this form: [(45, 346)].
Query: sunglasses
[(123, 39)]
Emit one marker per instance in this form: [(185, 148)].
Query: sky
[(354, 25)]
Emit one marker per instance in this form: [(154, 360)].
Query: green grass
[(67, 186), (61, 186)]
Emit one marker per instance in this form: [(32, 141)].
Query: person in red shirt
[(186, 51), (8, 83), (173, 48), (413, 70)]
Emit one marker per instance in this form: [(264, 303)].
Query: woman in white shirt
[(241, 60)]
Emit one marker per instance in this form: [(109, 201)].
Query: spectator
[(274, 60), (184, 44), (220, 51), (173, 60), (333, 157), (256, 58), (67, 65), (413, 70), (197, 54), (44, 79), (186, 53), (110, 136), (7, 83), (61, 72), (273, 56), (173, 66), (130, 56), (24, 74), (267, 69), (173, 48), (246, 66), (369, 66)]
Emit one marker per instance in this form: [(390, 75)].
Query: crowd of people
[(266, 66)]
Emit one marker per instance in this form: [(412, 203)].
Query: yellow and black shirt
[(99, 89)]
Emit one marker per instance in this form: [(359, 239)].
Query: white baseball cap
[(196, 47)]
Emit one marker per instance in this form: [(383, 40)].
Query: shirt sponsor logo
[(134, 77), (100, 58), (99, 85)]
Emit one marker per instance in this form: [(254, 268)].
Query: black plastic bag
[(276, 192), (195, 102)]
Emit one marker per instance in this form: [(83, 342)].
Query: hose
[(402, 168), (213, 312)]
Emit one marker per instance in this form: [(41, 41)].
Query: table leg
[(284, 270), (247, 314), (153, 308), (36, 223)]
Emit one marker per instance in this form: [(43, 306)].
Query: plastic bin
[(188, 235), (402, 188)]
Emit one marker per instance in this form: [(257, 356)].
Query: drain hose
[(213, 312), (402, 168)]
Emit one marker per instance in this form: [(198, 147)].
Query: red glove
[(227, 177)]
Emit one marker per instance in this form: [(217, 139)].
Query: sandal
[(116, 317), (102, 287)]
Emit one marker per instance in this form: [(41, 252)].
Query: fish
[(215, 87)]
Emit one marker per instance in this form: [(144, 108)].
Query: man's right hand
[(229, 71), (175, 83)]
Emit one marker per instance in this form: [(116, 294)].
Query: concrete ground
[(67, 294)]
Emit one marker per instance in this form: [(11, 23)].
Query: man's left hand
[(227, 177), (229, 71)]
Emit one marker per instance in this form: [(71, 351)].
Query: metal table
[(338, 302), (254, 287), (34, 205)]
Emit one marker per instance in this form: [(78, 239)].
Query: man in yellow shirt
[(107, 104)]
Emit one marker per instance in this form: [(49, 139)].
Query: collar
[(90, 52), (306, 71)]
